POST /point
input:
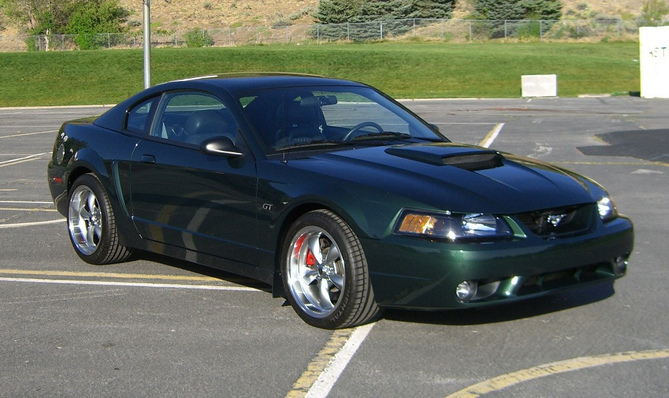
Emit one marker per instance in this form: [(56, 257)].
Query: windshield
[(293, 118)]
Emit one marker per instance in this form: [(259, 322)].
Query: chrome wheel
[(325, 273), (316, 271), (85, 220), (92, 224)]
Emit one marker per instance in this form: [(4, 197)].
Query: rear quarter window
[(139, 117)]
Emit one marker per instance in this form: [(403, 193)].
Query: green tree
[(497, 10), (37, 16), (653, 12), (542, 9), (342, 11), (337, 11), (500, 10), (87, 19), (81, 17), (423, 8), (375, 10)]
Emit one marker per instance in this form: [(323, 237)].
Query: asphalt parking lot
[(157, 327)]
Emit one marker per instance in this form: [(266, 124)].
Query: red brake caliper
[(311, 259)]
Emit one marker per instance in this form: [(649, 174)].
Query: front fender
[(369, 211)]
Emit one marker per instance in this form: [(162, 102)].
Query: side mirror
[(220, 146), (435, 127)]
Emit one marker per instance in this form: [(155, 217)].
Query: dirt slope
[(174, 16), (181, 15)]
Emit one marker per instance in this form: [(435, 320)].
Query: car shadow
[(504, 312), (529, 308), (201, 270), (651, 145)]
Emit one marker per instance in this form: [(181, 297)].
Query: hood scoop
[(466, 158)]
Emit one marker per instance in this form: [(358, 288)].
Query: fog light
[(619, 266), (466, 290)]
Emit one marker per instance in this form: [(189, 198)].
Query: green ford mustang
[(332, 193)]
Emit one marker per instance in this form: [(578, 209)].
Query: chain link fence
[(441, 30)]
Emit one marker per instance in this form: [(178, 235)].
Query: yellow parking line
[(319, 363), (491, 136), (510, 379), (104, 275)]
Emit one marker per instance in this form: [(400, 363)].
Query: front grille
[(570, 277), (560, 222)]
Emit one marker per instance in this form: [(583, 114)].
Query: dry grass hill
[(177, 16), (182, 15)]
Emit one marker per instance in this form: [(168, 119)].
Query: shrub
[(198, 38), (88, 19), (653, 12)]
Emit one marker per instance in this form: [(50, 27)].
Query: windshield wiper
[(384, 135), (378, 136), (312, 144)]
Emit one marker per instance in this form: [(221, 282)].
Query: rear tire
[(325, 272), (92, 225)]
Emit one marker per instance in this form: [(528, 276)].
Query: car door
[(184, 198)]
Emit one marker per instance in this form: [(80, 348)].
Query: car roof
[(233, 83)]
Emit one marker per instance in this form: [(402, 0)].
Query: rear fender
[(85, 161)]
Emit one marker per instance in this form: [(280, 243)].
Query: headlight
[(454, 227), (607, 209)]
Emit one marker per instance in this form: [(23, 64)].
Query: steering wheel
[(176, 132), (360, 126)]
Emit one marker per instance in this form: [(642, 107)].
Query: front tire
[(325, 272), (92, 225)]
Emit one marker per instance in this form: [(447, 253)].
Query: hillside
[(176, 16), (181, 15)]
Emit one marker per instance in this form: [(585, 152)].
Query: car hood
[(454, 177)]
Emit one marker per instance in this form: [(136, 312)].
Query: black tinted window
[(192, 118), (139, 117)]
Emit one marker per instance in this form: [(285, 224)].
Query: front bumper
[(417, 273)]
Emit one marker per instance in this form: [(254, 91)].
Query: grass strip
[(403, 70)]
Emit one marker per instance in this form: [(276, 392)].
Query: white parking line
[(30, 224), (29, 202), (23, 159), (492, 135), (25, 134), (323, 385), (33, 209)]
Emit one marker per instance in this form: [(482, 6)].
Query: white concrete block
[(539, 85), (654, 61)]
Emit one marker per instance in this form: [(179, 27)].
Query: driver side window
[(191, 117)]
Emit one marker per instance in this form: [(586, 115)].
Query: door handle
[(148, 159)]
